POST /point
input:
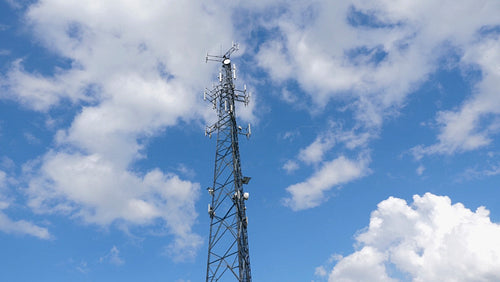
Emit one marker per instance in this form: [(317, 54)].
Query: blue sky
[(374, 150)]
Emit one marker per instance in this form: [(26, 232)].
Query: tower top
[(225, 57)]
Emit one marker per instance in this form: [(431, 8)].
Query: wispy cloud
[(477, 173), (420, 169), (4, 52), (471, 126), (290, 166), (22, 227), (312, 192), (112, 257)]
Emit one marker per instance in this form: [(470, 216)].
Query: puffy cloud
[(331, 58), (95, 190), (133, 69), (364, 265), (373, 54), (116, 54), (311, 192), (429, 240)]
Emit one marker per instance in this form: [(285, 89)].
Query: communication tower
[(228, 255)]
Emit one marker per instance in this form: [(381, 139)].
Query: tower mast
[(228, 254)]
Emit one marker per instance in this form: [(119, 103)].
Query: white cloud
[(112, 257), (325, 71), (134, 68), (10, 226), (4, 201), (288, 96), (334, 134), (290, 166), (274, 58), (315, 151), (290, 135), (3, 179), (311, 192), (184, 248), (82, 267), (476, 173), (364, 265), (472, 126), (38, 92), (420, 169), (430, 240), (373, 54), (110, 43), (320, 271), (97, 191), (22, 227), (16, 4)]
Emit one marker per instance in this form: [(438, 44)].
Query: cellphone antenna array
[(228, 254)]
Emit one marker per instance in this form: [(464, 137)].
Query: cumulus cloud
[(311, 192), (95, 190), (429, 240), (373, 54), (133, 70)]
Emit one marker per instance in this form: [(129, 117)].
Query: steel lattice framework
[(228, 254)]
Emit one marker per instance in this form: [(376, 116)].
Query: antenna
[(228, 253)]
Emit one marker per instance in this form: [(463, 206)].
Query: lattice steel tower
[(228, 255)]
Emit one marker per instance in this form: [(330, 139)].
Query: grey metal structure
[(228, 254)]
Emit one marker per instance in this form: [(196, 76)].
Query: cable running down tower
[(228, 255)]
